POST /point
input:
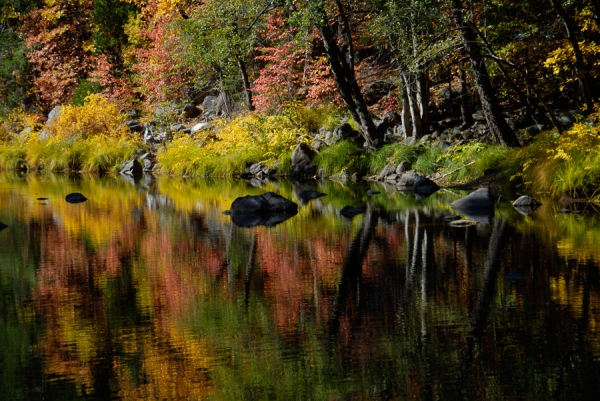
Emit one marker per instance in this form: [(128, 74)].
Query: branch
[(454, 171)]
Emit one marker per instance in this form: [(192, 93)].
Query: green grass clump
[(342, 156)]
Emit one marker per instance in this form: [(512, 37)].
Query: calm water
[(147, 291)]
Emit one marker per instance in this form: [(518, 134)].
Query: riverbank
[(303, 142)]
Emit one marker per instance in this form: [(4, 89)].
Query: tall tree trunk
[(345, 79), (246, 83), (585, 84), (406, 123), (491, 107), (465, 104)]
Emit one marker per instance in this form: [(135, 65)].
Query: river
[(148, 291)]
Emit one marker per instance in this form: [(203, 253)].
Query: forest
[(455, 89)]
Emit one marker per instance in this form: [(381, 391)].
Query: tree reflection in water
[(150, 292)]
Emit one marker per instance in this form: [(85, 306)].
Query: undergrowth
[(342, 156)]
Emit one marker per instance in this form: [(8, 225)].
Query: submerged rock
[(263, 219), (526, 205), (372, 192), (133, 168), (75, 197)]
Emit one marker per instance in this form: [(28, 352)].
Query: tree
[(334, 26), (220, 37), (489, 102)]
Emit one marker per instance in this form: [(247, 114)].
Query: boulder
[(2, 226), (269, 220), (54, 113), (302, 165), (477, 206), (477, 200), (408, 179), (425, 186), (191, 111), (402, 167), (210, 103), (268, 202), (344, 131), (526, 205), (133, 168), (479, 116), (387, 170), (75, 197)]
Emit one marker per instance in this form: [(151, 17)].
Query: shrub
[(96, 117)]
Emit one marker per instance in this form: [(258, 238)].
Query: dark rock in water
[(372, 192), (133, 168), (526, 201), (264, 219), (514, 276), (451, 218), (425, 186), (308, 195), (526, 205), (2, 226), (477, 206), (480, 199), (349, 211), (75, 197), (258, 204), (41, 199)]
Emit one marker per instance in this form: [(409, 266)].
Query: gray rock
[(317, 144), (392, 177), (344, 131), (535, 129), (133, 168), (176, 127), (210, 103), (301, 162), (402, 167), (135, 126), (198, 127), (387, 170), (408, 179), (54, 113), (526, 201), (479, 199), (409, 141)]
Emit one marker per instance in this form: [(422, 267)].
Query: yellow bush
[(14, 122), (96, 117)]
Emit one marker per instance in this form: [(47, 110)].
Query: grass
[(342, 156)]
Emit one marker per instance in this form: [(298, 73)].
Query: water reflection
[(150, 292)]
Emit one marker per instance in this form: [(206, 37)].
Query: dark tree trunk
[(491, 107), (585, 84), (246, 83), (345, 78)]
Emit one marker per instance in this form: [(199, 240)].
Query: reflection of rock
[(462, 223), (350, 212), (525, 204), (133, 168), (262, 219), (372, 192), (514, 276), (268, 202), (424, 185), (2, 226), (308, 195), (75, 197)]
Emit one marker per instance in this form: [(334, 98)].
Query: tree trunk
[(585, 84), (246, 83), (465, 106), (491, 107), (345, 79), (423, 99), (406, 124), (415, 113)]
